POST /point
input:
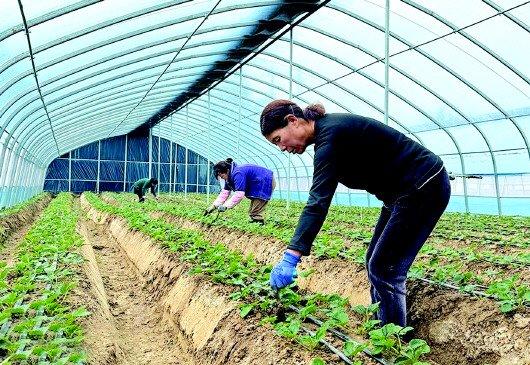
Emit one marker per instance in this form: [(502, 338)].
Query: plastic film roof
[(201, 72)]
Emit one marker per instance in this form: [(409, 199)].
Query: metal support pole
[(290, 96), (171, 169), (387, 34), (5, 177), (125, 163), (186, 156), (32, 180), (99, 164), (159, 165), (239, 114), (13, 199), (70, 171), (208, 149), (150, 148), (23, 192)]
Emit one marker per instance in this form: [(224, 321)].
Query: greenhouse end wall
[(114, 164)]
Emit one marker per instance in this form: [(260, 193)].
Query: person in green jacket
[(140, 187)]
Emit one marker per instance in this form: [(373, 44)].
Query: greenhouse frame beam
[(429, 57), (226, 142), (188, 38), (134, 50), (315, 4), (35, 74), (226, 101), (43, 137), (238, 56), (35, 110), (367, 102), (114, 78), (260, 146), (487, 50), (448, 70), (224, 138), (397, 69), (507, 14), (49, 16), (122, 65), (54, 43), (399, 96), (473, 40)]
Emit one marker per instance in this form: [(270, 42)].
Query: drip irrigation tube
[(332, 348), (340, 336), (449, 286)]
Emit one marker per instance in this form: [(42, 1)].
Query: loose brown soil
[(158, 314), (127, 325), (16, 223), (15, 227), (459, 328)]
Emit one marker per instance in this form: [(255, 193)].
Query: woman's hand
[(284, 272)]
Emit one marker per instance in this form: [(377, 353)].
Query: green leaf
[(81, 312), (245, 309), (352, 348)]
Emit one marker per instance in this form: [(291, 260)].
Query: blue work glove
[(221, 208), (284, 272)]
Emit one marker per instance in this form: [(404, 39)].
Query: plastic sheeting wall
[(124, 160)]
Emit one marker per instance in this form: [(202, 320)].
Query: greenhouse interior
[(254, 182)]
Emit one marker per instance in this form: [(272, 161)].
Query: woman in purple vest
[(246, 180)]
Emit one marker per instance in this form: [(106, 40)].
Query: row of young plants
[(37, 325), (6, 213), (486, 229), (361, 233), (249, 282), (510, 292)]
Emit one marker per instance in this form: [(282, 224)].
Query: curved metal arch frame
[(103, 25), (73, 93), (37, 136), (226, 140), (75, 81), (452, 73), (126, 36), (418, 109), (21, 95), (490, 146), (225, 101), (35, 110), (325, 96), (485, 49), (69, 9), (72, 82), (77, 144), (192, 17), (245, 118)]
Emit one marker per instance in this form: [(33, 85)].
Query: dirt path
[(10, 248), (135, 333)]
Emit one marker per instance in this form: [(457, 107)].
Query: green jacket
[(142, 185)]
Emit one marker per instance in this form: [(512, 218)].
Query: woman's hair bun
[(229, 160), (314, 111)]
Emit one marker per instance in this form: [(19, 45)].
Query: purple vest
[(255, 181)]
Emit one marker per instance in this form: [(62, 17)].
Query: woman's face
[(294, 137), (223, 175)]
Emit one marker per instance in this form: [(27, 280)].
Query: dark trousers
[(399, 234), (139, 193)]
